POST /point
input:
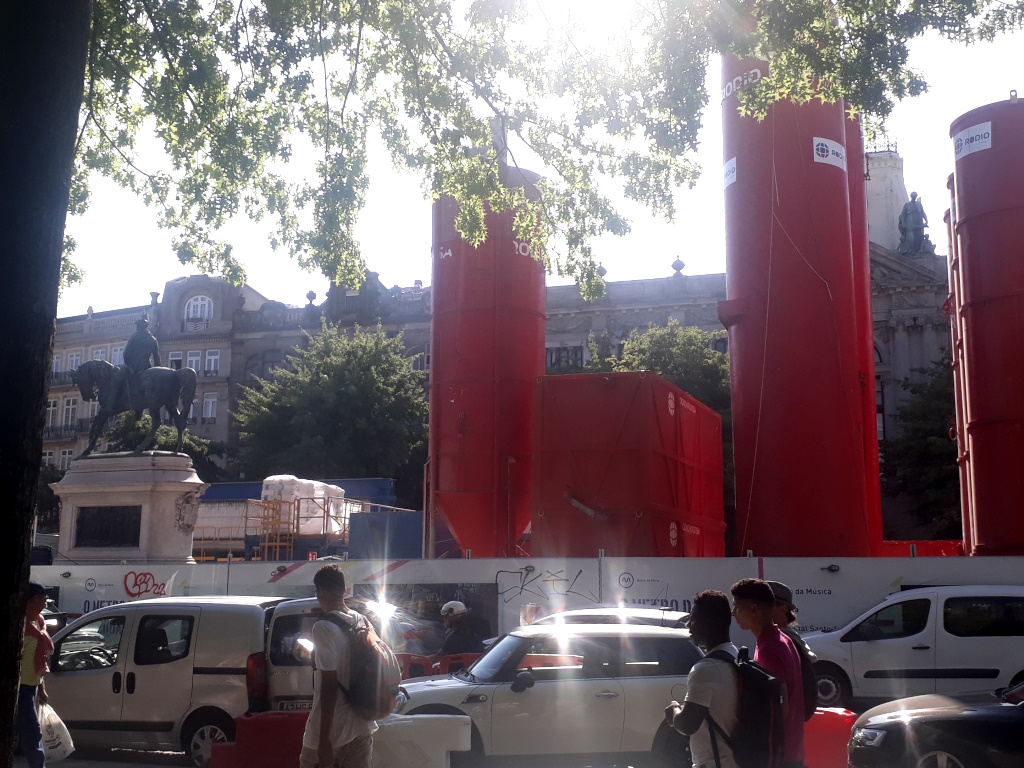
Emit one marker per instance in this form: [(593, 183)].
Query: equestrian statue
[(141, 383)]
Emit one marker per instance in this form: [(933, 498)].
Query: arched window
[(199, 308)]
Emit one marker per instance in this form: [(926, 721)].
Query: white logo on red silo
[(671, 404), (829, 152), (730, 171), (973, 139), (673, 534)]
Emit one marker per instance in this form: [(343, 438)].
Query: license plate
[(293, 706)]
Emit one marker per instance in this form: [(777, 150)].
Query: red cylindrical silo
[(953, 311), (487, 348), (988, 144), (865, 328), (791, 314)]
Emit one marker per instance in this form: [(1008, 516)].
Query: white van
[(167, 673), (924, 640)]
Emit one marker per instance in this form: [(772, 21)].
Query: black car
[(934, 731)]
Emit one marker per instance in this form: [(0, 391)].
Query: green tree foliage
[(345, 407), (236, 90), (921, 463), (127, 434), (685, 357)]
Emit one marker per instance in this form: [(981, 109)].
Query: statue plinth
[(139, 508)]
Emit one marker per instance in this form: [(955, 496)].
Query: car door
[(575, 705), (979, 642), (893, 649), (86, 680), (158, 674)]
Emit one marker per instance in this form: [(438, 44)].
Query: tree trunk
[(42, 70)]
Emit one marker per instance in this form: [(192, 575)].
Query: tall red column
[(791, 313), (855, 172), (988, 145), (487, 348)]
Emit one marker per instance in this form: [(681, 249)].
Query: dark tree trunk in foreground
[(42, 70)]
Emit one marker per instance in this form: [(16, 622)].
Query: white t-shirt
[(331, 646), (713, 683)]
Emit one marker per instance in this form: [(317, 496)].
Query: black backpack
[(810, 680), (756, 741), (374, 673)]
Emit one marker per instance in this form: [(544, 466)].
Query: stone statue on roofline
[(912, 222)]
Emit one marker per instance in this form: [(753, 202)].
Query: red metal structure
[(989, 148), (955, 314), (791, 314), (627, 463), (865, 327), (487, 348)]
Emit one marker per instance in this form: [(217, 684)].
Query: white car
[(655, 617), (944, 640), (568, 689)]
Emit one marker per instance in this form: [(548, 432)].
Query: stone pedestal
[(129, 508)]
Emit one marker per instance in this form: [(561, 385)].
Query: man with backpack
[(335, 734), (753, 607), (712, 687), (784, 616)]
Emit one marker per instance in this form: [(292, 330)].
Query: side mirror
[(523, 681)]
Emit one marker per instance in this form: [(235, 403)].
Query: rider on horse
[(141, 352)]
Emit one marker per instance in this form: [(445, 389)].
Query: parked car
[(580, 689), (972, 731), (164, 674), (289, 645), (656, 617), (943, 640)]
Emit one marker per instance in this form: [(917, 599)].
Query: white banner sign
[(730, 171), (829, 152), (973, 139)]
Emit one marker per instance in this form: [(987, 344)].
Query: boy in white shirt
[(712, 687)]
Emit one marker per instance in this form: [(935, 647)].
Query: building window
[(117, 355), (564, 357), (70, 411), (74, 360), (47, 458), (56, 363), (99, 354), (198, 313), (51, 413), (210, 408), (421, 360), (879, 409), (212, 362), (174, 360), (193, 361), (721, 345), (65, 459), (199, 308)]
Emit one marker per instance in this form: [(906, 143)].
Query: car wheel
[(202, 732), (833, 685), (943, 758)]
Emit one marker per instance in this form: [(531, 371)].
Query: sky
[(125, 255)]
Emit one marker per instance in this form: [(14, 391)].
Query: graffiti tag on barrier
[(145, 583), (541, 585)]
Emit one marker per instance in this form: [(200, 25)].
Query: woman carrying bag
[(37, 647)]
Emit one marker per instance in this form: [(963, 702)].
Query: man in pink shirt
[(753, 604)]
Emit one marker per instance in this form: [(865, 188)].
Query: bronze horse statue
[(157, 387)]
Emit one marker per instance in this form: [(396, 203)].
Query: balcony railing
[(193, 324), (210, 372), (209, 419), (60, 432), (61, 378)]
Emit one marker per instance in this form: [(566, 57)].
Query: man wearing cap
[(34, 652), (459, 637), (784, 616)]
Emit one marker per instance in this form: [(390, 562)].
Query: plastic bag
[(57, 742)]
